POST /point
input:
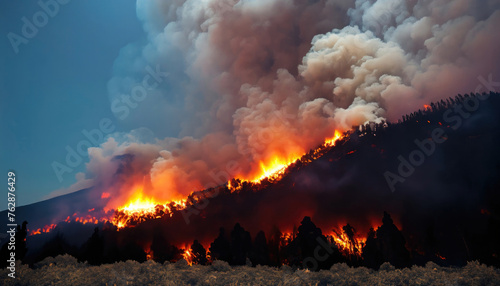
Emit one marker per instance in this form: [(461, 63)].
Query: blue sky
[(56, 86)]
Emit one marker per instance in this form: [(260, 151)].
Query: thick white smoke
[(251, 80)]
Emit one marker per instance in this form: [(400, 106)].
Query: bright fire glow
[(348, 246), (274, 168), (188, 255), (45, 229), (140, 208), (336, 136)]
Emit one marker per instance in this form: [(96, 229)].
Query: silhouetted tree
[(372, 257), (275, 247), (241, 243), (161, 248), (132, 251), (199, 253), (392, 243), (260, 250), (93, 249), (311, 248), (220, 249), (21, 234), (54, 247)]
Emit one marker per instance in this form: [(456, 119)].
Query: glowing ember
[(188, 255), (149, 253), (348, 242), (45, 229), (286, 238)]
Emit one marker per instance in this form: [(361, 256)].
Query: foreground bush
[(65, 270)]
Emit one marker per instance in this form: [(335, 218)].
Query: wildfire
[(348, 246), (337, 135), (45, 229), (149, 253), (274, 169), (286, 238), (140, 208), (349, 242), (440, 256), (188, 255)]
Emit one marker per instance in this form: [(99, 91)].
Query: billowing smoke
[(251, 81)]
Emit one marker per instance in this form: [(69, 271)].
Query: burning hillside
[(323, 184), (300, 134)]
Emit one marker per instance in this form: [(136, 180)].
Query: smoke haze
[(252, 81)]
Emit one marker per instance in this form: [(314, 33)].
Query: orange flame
[(188, 255), (331, 141), (274, 168), (348, 246), (140, 208), (45, 229)]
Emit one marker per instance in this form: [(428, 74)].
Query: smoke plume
[(252, 81)]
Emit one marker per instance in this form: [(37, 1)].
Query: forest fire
[(274, 169), (140, 208), (348, 243), (45, 229), (330, 142), (188, 255)]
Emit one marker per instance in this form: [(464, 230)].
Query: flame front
[(188, 255), (330, 142), (348, 246), (45, 229), (140, 207), (274, 168)]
